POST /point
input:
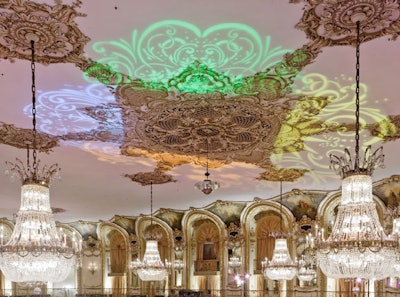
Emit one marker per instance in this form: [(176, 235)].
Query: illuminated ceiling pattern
[(174, 88)]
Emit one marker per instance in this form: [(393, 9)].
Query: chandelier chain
[(151, 203), (280, 208), (207, 174), (34, 131), (357, 112)]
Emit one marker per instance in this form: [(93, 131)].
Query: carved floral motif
[(56, 35), (331, 22)]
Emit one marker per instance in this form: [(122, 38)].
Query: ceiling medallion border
[(20, 138), (155, 177), (331, 21), (57, 37)]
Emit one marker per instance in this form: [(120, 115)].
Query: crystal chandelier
[(179, 265), (207, 186), (35, 251), (234, 264), (150, 268), (307, 262), (357, 245), (306, 271), (281, 267), (396, 234)]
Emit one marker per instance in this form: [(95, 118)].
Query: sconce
[(92, 267), (234, 264), (177, 265)]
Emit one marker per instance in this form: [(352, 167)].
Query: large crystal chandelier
[(281, 267), (396, 234), (357, 246), (36, 252), (207, 186), (150, 268)]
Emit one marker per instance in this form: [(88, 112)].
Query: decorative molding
[(330, 22), (57, 37), (21, 137), (155, 177)]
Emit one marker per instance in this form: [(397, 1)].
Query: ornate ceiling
[(129, 97)]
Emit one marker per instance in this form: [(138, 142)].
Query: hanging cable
[(357, 113), (207, 174), (151, 204), (280, 209), (34, 132)]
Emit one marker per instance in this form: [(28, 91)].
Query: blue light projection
[(62, 112)]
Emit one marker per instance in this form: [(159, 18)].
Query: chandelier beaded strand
[(36, 252), (357, 246)]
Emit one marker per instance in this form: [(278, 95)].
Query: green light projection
[(170, 59), (166, 48)]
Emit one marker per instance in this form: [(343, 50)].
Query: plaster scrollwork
[(179, 243), (20, 138), (91, 247), (57, 37), (134, 243), (332, 22), (154, 177), (235, 238)]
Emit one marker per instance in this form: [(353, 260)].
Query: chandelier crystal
[(357, 246), (150, 268), (281, 267), (36, 252)]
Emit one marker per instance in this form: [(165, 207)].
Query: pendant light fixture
[(357, 247), (150, 268), (207, 186), (281, 267), (36, 252)]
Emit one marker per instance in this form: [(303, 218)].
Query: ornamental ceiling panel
[(129, 96)]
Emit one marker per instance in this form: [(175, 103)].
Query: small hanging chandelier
[(150, 268), (36, 252), (357, 247), (281, 267), (207, 186), (234, 264), (306, 271)]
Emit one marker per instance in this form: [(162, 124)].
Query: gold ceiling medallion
[(56, 35), (239, 128), (331, 22), (20, 137), (285, 174), (147, 178)]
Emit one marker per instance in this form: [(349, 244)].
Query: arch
[(200, 224), (115, 251), (162, 232)]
